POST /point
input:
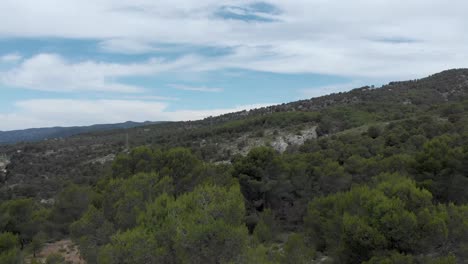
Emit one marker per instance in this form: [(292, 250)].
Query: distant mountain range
[(38, 134)]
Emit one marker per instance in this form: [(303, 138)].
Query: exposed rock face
[(48, 201), (280, 145), (282, 142), (105, 159), (4, 161)]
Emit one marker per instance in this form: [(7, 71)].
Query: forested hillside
[(375, 175), (38, 134)]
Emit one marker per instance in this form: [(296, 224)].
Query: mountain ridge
[(43, 133), (51, 163)]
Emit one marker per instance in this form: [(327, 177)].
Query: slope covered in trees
[(38, 134), (385, 182)]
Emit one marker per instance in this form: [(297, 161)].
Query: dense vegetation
[(37, 134), (383, 183)]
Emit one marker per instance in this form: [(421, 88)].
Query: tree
[(9, 248), (70, 204), (212, 230), (203, 226), (17, 218), (266, 228), (392, 258), (124, 199), (90, 232), (259, 174), (374, 132), (55, 258), (133, 246), (332, 177), (392, 215), (296, 251), (37, 242)]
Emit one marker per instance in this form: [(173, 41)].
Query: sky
[(82, 62)]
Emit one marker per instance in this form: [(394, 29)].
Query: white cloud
[(127, 46), (10, 58), (149, 97), (353, 38), (195, 88), (51, 72), (67, 112)]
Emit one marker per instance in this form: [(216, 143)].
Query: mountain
[(38, 134), (40, 168), (373, 175)]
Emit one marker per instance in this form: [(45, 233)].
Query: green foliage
[(91, 231), (259, 175), (70, 204), (374, 132), (179, 164), (394, 215), (123, 199), (212, 230), (9, 248), (296, 251), (133, 246), (450, 259), (203, 226), (266, 228), (261, 255), (392, 258), (55, 259), (440, 166), (385, 182), (37, 242), (18, 217), (281, 119)]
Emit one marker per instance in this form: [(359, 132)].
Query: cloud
[(257, 12), (353, 38), (51, 72), (10, 58), (127, 46), (68, 112), (150, 97), (196, 89)]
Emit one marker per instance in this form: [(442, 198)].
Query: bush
[(55, 259)]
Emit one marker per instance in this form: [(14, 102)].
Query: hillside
[(52, 162), (38, 134), (374, 175)]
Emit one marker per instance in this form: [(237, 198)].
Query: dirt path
[(65, 247)]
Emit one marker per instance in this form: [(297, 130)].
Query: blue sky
[(65, 63)]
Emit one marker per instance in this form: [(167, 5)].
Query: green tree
[(296, 251), (266, 228), (37, 242), (133, 246), (55, 258), (90, 232), (393, 215), (17, 217), (203, 226), (392, 258), (70, 204), (9, 249), (374, 132)]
